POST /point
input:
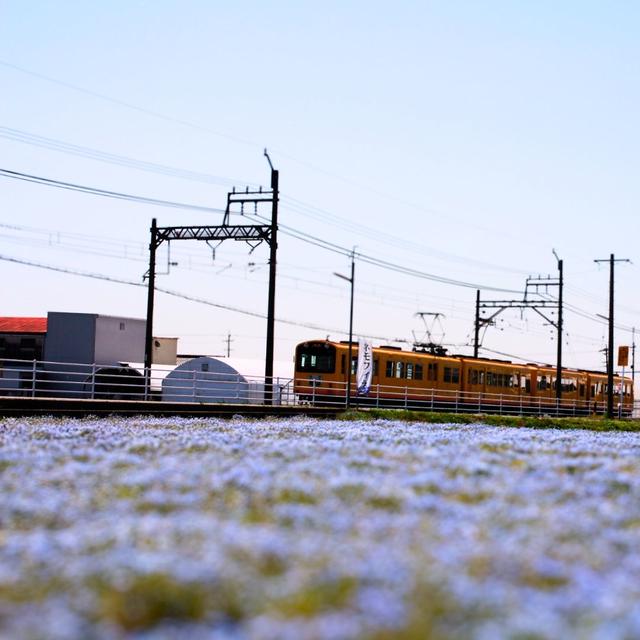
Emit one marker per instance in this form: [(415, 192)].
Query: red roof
[(23, 325)]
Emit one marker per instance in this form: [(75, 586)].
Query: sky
[(461, 140)]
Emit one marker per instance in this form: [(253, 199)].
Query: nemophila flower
[(151, 527)]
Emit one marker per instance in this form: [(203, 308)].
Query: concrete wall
[(70, 337), (119, 339)]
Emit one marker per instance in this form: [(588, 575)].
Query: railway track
[(65, 407)]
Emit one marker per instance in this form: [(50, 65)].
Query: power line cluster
[(18, 135), (290, 231), (300, 235), (183, 296), (70, 186), (294, 205)]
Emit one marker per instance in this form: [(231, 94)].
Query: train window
[(389, 370), (473, 376), (542, 383), (489, 379), (409, 371), (481, 378), (432, 371), (316, 358), (399, 369), (343, 364), (418, 372), (582, 389), (375, 367), (452, 375)]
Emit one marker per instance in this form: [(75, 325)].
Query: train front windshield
[(316, 358)]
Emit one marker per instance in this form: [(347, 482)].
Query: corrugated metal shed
[(205, 379)]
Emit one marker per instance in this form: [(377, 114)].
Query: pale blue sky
[(478, 135)]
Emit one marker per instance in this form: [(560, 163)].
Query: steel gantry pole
[(477, 325), (271, 305), (151, 285), (610, 359), (633, 357), (559, 356)]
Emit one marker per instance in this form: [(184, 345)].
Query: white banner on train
[(364, 372)]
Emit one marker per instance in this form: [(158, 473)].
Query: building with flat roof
[(22, 338)]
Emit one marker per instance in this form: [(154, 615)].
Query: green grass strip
[(594, 423)]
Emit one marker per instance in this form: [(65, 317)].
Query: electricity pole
[(351, 281), (476, 339), (633, 357), (271, 305), (612, 260), (148, 343), (559, 327), (228, 340)]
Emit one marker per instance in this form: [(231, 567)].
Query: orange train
[(410, 378)]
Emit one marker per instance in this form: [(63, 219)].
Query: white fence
[(45, 379), (412, 397), (42, 379)]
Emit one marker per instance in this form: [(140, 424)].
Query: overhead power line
[(198, 127), (294, 204), (329, 218), (128, 105), (298, 206), (300, 235), (384, 264), (184, 296), (52, 144), (69, 186)]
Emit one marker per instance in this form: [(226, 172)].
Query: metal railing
[(184, 383), (455, 401), (46, 379)]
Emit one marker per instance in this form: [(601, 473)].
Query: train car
[(598, 387), (425, 380)]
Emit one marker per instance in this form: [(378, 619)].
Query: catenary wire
[(177, 294), (295, 205), (288, 230), (17, 175), (17, 135)]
